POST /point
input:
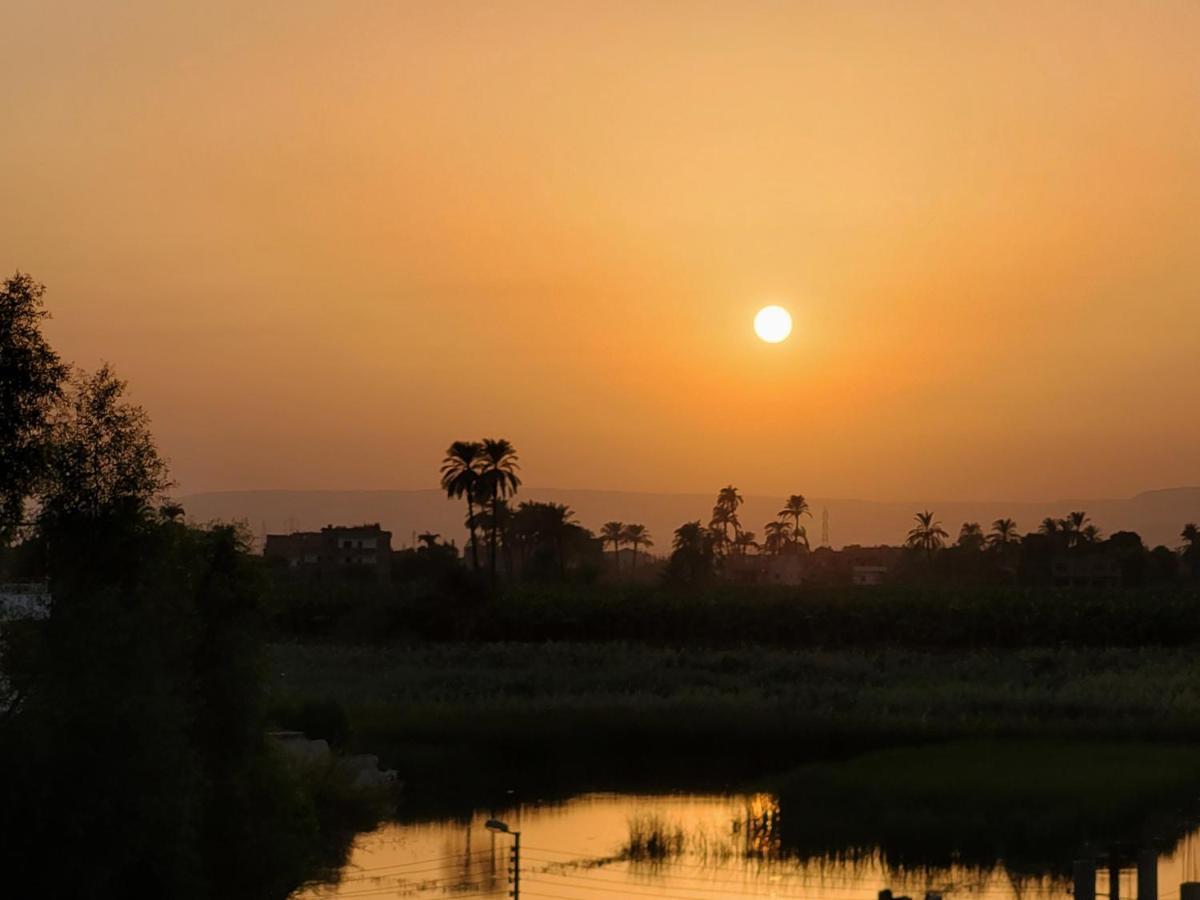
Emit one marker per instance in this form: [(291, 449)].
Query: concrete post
[(1147, 875), (1085, 879)]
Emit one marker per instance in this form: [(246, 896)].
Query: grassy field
[(602, 713)]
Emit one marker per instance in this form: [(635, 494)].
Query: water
[(718, 847)]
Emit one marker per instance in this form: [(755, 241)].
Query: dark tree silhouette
[(777, 536), (637, 535), (692, 553), (460, 478), (928, 535), (614, 533), (497, 480), (31, 379), (1004, 532), (796, 507), (970, 536)]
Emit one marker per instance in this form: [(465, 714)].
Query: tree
[(796, 507), (725, 514), (637, 535), (1191, 540), (970, 536), (928, 535), (1004, 532), (497, 481), (776, 536), (429, 540), (460, 478), (692, 553), (614, 533), (744, 541), (102, 456), (546, 529), (31, 380)]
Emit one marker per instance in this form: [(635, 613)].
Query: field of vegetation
[(594, 714), (933, 617)]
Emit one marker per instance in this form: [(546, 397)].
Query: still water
[(710, 848)]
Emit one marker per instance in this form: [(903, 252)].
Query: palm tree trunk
[(633, 570), (471, 527)]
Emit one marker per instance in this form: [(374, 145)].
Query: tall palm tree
[(1004, 532), (637, 534), (460, 478), (776, 536), (497, 480), (614, 533), (928, 535), (796, 507), (728, 499), (722, 517)]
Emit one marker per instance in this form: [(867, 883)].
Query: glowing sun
[(773, 324)]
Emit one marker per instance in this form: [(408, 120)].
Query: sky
[(322, 240)]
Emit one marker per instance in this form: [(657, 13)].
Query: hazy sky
[(324, 239)]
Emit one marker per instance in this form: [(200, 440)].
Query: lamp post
[(498, 827)]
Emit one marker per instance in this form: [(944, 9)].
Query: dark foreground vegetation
[(135, 758)]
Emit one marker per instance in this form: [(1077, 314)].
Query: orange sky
[(324, 239)]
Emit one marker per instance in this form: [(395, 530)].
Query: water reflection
[(599, 846)]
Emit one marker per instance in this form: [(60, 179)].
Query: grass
[(459, 716)]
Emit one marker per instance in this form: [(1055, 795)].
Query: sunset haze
[(324, 240)]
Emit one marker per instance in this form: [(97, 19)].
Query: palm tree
[(1050, 525), (429, 539), (1004, 532), (776, 536), (928, 534), (614, 532), (728, 501), (460, 478), (1090, 534), (971, 536), (497, 480), (796, 507), (637, 534), (1191, 538), (722, 518), (744, 541)]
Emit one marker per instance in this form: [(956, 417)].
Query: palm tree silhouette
[(637, 534), (1050, 525), (971, 536), (776, 536), (460, 478), (725, 513), (744, 541), (429, 539), (1004, 532), (928, 535), (1191, 538), (796, 507), (614, 533), (497, 480)]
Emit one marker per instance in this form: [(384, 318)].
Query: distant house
[(335, 550), (789, 569), (1091, 570)]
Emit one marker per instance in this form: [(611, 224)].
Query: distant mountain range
[(1158, 516)]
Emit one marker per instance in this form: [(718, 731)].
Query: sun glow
[(773, 324)]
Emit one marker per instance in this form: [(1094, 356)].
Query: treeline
[(133, 731)]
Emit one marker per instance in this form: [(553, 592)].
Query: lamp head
[(496, 825)]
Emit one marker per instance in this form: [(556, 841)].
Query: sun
[(773, 324)]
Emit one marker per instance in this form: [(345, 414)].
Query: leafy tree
[(637, 535), (31, 379), (497, 480), (928, 535), (1191, 540), (614, 533), (102, 455), (460, 478)]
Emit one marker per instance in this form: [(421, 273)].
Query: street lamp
[(497, 827)]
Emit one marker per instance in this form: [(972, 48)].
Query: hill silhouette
[(1158, 516)]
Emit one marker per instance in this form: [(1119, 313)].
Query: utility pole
[(514, 855)]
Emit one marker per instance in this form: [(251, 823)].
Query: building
[(869, 575), (334, 551)]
